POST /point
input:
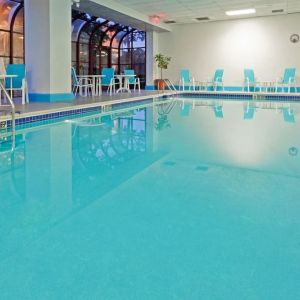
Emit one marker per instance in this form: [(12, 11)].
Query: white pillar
[(48, 49), (152, 50)]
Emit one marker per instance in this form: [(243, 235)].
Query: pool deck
[(38, 108)]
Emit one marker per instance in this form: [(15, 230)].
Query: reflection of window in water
[(120, 137)]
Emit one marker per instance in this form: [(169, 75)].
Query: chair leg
[(23, 92)]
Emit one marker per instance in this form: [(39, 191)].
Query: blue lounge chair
[(186, 80), (217, 80), (250, 80), (287, 81), (17, 83), (109, 79), (80, 84), (135, 81)]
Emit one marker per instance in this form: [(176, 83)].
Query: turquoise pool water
[(182, 200)]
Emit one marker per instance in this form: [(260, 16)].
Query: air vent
[(277, 11), (203, 19), (170, 22)]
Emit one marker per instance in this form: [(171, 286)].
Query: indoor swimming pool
[(174, 199)]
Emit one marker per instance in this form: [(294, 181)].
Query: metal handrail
[(170, 86), (13, 108)]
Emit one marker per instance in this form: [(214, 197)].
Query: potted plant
[(162, 62)]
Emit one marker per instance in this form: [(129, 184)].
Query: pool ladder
[(171, 86)]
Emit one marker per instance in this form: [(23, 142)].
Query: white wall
[(259, 43)]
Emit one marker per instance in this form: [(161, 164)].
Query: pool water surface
[(185, 199)]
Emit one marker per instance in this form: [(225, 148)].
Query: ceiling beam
[(128, 13)]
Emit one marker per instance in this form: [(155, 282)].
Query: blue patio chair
[(17, 83), (250, 80), (287, 81), (78, 84), (109, 79), (186, 80), (133, 80), (217, 80)]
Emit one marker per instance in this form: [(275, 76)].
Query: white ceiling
[(185, 11)]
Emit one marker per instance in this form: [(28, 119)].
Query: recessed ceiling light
[(241, 12), (202, 19), (276, 11)]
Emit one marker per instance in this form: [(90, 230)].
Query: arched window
[(12, 31), (132, 53), (98, 43)]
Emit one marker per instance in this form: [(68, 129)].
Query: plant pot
[(160, 84)]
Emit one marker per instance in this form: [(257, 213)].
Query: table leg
[(99, 86), (11, 91)]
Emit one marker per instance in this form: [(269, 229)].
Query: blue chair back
[(249, 76), (109, 74), (15, 69), (74, 76), (219, 75), (289, 75), (131, 79), (185, 75)]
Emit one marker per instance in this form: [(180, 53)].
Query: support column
[(48, 50), (152, 49)]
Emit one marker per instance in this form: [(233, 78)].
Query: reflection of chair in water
[(218, 110), (249, 111), (288, 115), (185, 110)]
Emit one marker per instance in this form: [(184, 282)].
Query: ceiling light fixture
[(202, 19), (239, 12), (154, 19)]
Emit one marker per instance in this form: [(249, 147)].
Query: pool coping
[(96, 107)]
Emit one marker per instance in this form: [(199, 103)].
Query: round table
[(96, 81), (124, 86)]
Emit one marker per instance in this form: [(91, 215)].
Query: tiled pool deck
[(35, 112)]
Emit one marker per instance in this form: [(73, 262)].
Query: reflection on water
[(177, 158), (257, 135)]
